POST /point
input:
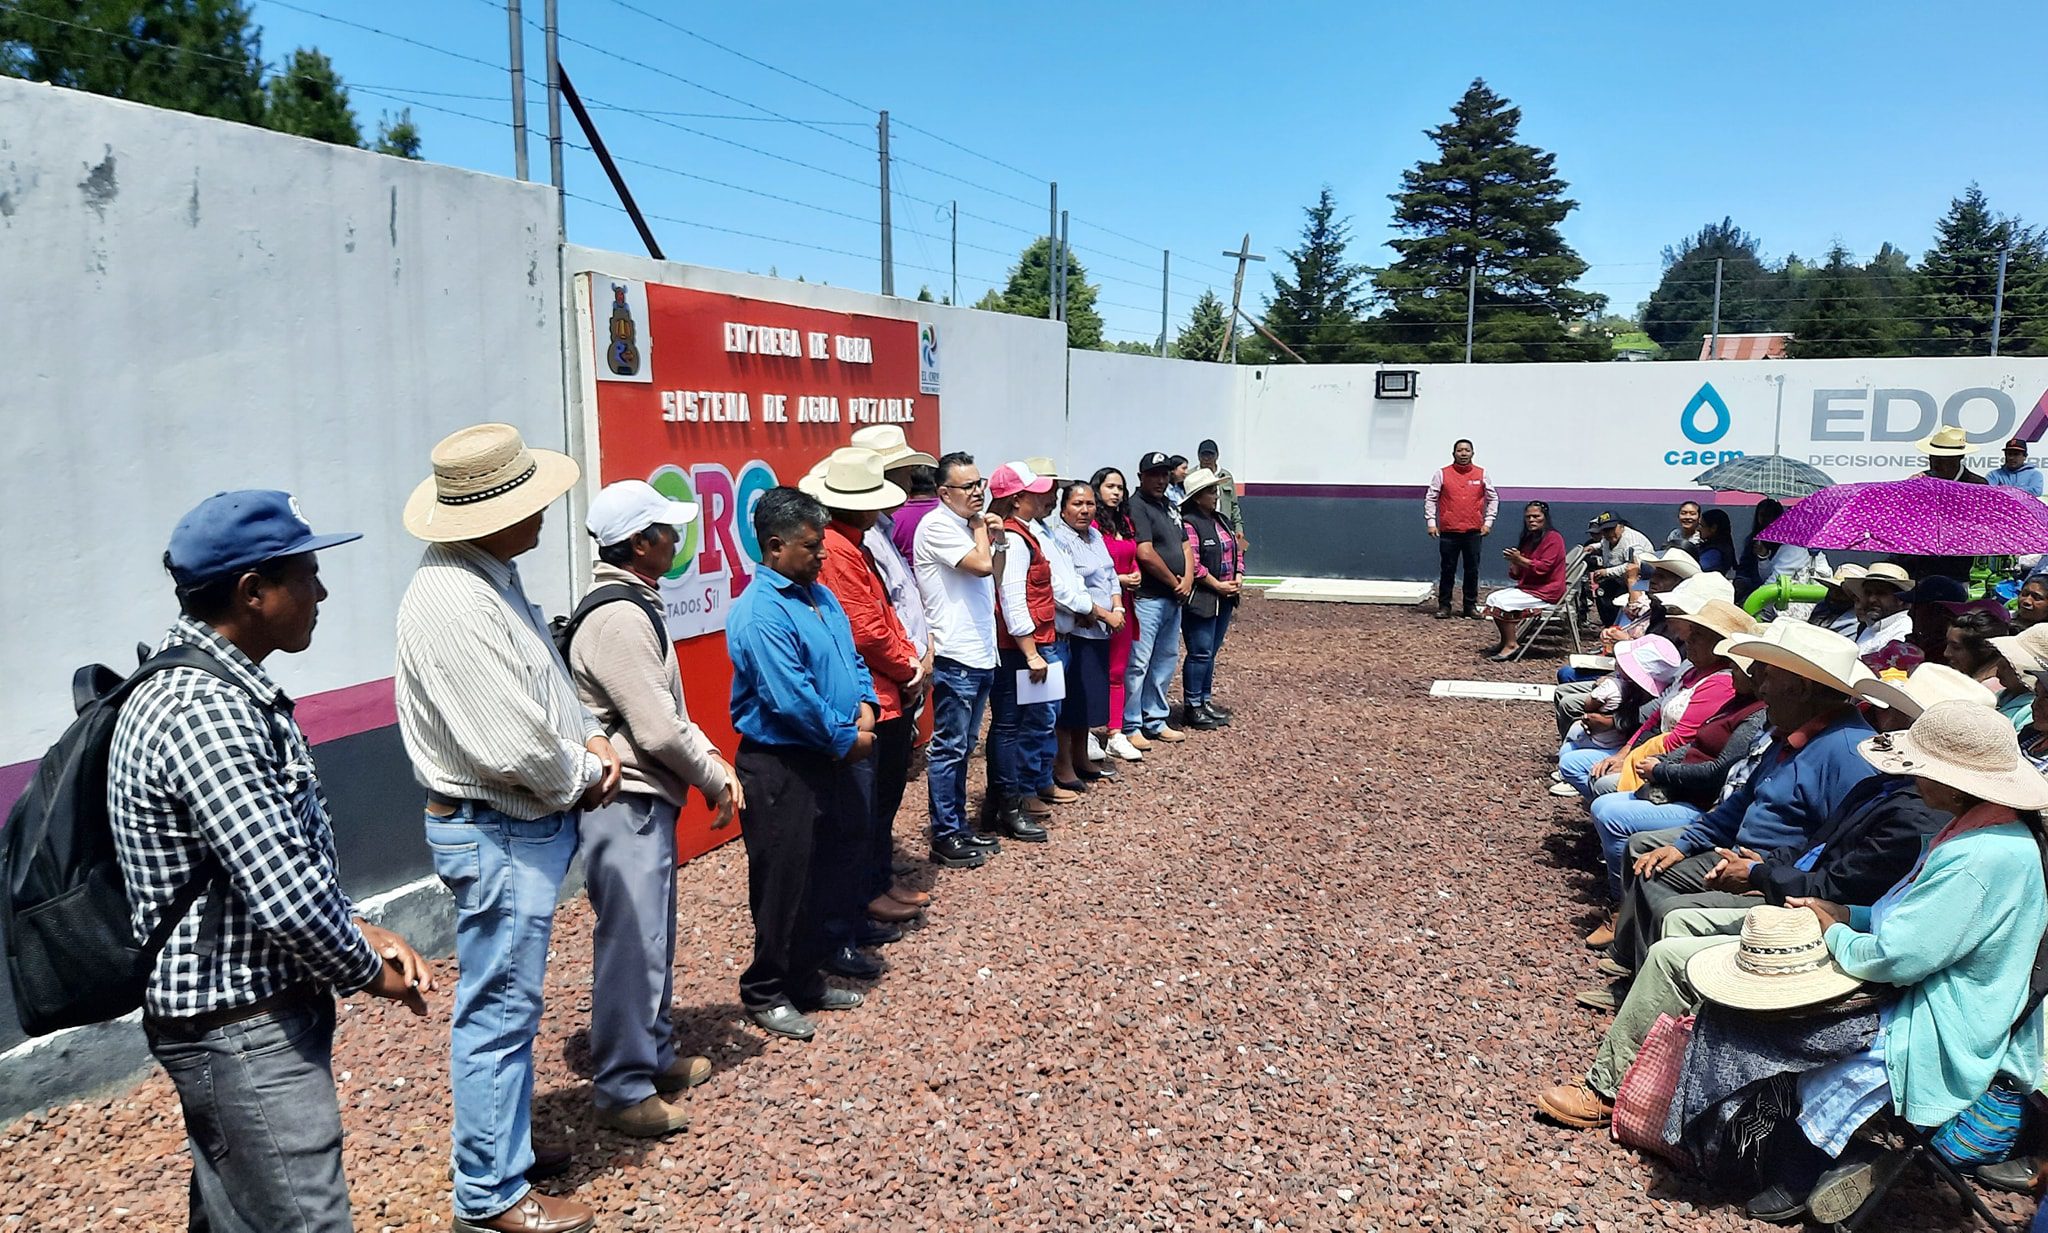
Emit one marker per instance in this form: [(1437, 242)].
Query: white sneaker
[(1563, 789), (1121, 747), (1095, 753), (1557, 776)]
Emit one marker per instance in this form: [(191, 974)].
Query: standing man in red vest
[(1020, 734), (1459, 510)]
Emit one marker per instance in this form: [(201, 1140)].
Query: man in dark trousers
[(805, 708), (1459, 510)]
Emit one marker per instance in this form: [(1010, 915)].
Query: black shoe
[(1472, 614), (877, 933), (1199, 720), (1021, 827), (986, 843), (1775, 1205), (1216, 714), (1214, 708), (831, 998), (1078, 784), (2015, 1176), (850, 963), (783, 1020), (1443, 614), (954, 852)]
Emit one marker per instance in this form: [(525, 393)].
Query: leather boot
[(536, 1213)]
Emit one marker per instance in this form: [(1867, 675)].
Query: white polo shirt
[(960, 607)]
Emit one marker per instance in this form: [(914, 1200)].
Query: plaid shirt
[(199, 768)]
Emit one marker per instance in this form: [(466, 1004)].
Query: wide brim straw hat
[(1844, 574), (1781, 962), (485, 479), (1804, 650), (1884, 573), (852, 480), (1926, 685), (1720, 616), (1044, 469), (1199, 480), (1697, 592), (888, 441), (1949, 442), (1674, 561), (2026, 651), (1966, 747)]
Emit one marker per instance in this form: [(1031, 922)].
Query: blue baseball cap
[(230, 532)]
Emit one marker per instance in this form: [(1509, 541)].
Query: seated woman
[(1716, 551), (1968, 646), (2021, 658), (1949, 951), (1838, 610), (1933, 603), (1653, 666), (1749, 567), (1701, 689), (2030, 607), (1537, 566)]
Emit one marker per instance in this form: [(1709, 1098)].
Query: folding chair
[(1919, 1145), (1565, 609)]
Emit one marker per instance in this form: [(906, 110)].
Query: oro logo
[(1708, 399), (721, 541), (673, 483)]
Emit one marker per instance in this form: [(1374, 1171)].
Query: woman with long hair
[(1967, 644), (1113, 519), (1086, 705), (1716, 551), (1537, 566), (1749, 567)]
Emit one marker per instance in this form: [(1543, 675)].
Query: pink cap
[(1014, 477)]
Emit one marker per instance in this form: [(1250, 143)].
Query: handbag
[(1204, 603), (1644, 1099)]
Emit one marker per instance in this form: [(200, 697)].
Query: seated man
[(1860, 851), (1804, 674), (1882, 616), (1620, 546)]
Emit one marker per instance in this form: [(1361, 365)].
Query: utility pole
[(1063, 265), (518, 62), (888, 240), (1998, 301), (1471, 296), (1165, 278), (1244, 253), (548, 27), (1052, 244), (954, 211), (1714, 339)]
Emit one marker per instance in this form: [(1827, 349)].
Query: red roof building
[(1744, 347)]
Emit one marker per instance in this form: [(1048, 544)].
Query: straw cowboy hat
[(1044, 469), (852, 480), (485, 479), (1950, 442), (888, 441), (1882, 574), (1966, 747), (1199, 480), (1673, 561), (1804, 650), (2026, 651), (1652, 662), (1844, 574), (1923, 687), (1696, 592), (1781, 962), (1722, 617)]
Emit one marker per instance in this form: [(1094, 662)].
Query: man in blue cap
[(210, 779)]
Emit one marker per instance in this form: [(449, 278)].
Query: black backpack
[(564, 628), (72, 955)]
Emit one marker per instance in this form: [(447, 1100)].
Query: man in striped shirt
[(509, 756)]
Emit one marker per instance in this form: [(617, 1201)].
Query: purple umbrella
[(1922, 516)]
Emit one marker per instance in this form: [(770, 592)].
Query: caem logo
[(1708, 399)]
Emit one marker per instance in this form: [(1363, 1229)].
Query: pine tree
[(1492, 202), (400, 138), (1206, 333), (1028, 294), (1839, 314), (1316, 309), (1959, 278), (307, 99), (1680, 312), (201, 56)]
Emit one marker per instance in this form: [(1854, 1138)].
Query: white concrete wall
[(196, 305), (1123, 406)]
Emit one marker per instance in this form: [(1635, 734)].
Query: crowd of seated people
[(1821, 849)]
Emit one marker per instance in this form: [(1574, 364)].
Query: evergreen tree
[(1959, 278), (1206, 332), (1029, 294), (400, 138), (201, 56), (1680, 312), (1129, 347), (307, 99), (1839, 315), (991, 301), (1493, 203), (1315, 309)]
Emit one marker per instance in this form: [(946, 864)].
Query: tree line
[(201, 56)]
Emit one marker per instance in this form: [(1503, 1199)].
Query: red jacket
[(1544, 575), (850, 574), (1037, 594)]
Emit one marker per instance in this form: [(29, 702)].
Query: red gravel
[(1303, 974)]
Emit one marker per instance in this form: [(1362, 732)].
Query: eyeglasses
[(976, 486)]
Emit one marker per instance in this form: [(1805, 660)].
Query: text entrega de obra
[(736, 407)]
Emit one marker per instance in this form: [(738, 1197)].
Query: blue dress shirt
[(1789, 795), (796, 680)]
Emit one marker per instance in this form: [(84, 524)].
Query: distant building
[(1744, 347)]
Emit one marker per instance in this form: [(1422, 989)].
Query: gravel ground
[(1302, 974)]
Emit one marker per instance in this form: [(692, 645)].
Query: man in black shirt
[(1169, 577)]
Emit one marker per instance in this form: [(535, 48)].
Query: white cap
[(629, 507)]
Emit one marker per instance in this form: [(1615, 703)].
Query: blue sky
[(1184, 126)]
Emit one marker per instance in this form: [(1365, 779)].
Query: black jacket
[(1699, 783), (1872, 839)]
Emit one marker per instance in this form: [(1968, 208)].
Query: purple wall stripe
[(1590, 496)]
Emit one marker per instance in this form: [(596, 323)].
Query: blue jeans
[(959, 694), (1150, 671), (505, 874), (1618, 815), (1204, 636), (1020, 736), (261, 1117)]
